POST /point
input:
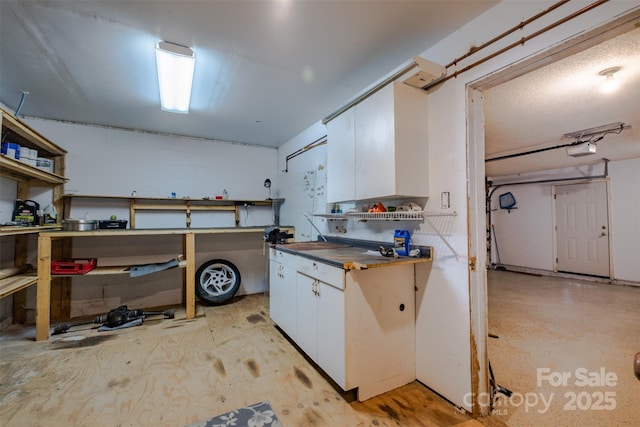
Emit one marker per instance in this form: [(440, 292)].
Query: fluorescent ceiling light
[(175, 65)]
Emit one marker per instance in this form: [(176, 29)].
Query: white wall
[(444, 318), (115, 162), (302, 182), (525, 235), (625, 219)]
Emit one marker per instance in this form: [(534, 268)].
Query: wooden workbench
[(45, 239)]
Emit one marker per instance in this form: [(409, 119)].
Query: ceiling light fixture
[(610, 84), (175, 66)]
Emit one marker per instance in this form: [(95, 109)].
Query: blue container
[(402, 242), (11, 150)]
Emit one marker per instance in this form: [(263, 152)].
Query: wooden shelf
[(186, 205), (10, 230), (23, 134), (173, 201), (154, 232), (14, 169), (15, 283), (106, 271)]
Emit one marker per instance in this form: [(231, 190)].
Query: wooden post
[(190, 279), (60, 286), (44, 288), (132, 214)]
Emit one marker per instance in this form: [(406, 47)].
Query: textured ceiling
[(537, 109), (265, 71)]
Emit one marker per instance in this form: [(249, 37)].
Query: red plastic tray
[(73, 266)]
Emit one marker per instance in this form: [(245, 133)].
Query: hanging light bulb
[(610, 84)]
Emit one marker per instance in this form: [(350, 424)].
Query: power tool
[(117, 318)]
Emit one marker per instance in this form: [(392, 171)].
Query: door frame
[(607, 182), (476, 189)]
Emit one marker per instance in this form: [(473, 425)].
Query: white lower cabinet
[(321, 325), (282, 296), (357, 326)]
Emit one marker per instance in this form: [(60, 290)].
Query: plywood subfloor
[(177, 372)]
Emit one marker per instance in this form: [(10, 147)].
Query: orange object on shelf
[(379, 207)]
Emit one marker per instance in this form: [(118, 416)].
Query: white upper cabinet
[(390, 147), (341, 138)]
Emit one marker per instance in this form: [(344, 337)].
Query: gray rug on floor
[(256, 415)]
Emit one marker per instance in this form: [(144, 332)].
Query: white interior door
[(582, 228)]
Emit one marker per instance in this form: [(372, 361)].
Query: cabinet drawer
[(283, 258), (334, 276), (331, 275)]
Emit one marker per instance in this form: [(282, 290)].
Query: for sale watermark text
[(586, 400), (581, 377), (594, 392)]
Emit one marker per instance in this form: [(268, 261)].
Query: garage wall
[(115, 162), (625, 223), (525, 235)]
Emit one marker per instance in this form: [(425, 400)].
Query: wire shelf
[(333, 216), (387, 216)]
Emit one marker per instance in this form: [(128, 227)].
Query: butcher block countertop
[(349, 256)]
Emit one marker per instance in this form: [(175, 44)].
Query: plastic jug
[(402, 242)]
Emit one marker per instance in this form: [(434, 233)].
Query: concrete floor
[(565, 350)]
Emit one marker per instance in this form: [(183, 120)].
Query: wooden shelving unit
[(16, 131), (186, 205)]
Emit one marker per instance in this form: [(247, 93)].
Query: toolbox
[(112, 224), (73, 266)]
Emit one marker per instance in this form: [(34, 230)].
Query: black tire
[(217, 281)]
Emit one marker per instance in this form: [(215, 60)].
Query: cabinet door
[(375, 153), (411, 137), (341, 157), (282, 297), (306, 325), (331, 332)]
